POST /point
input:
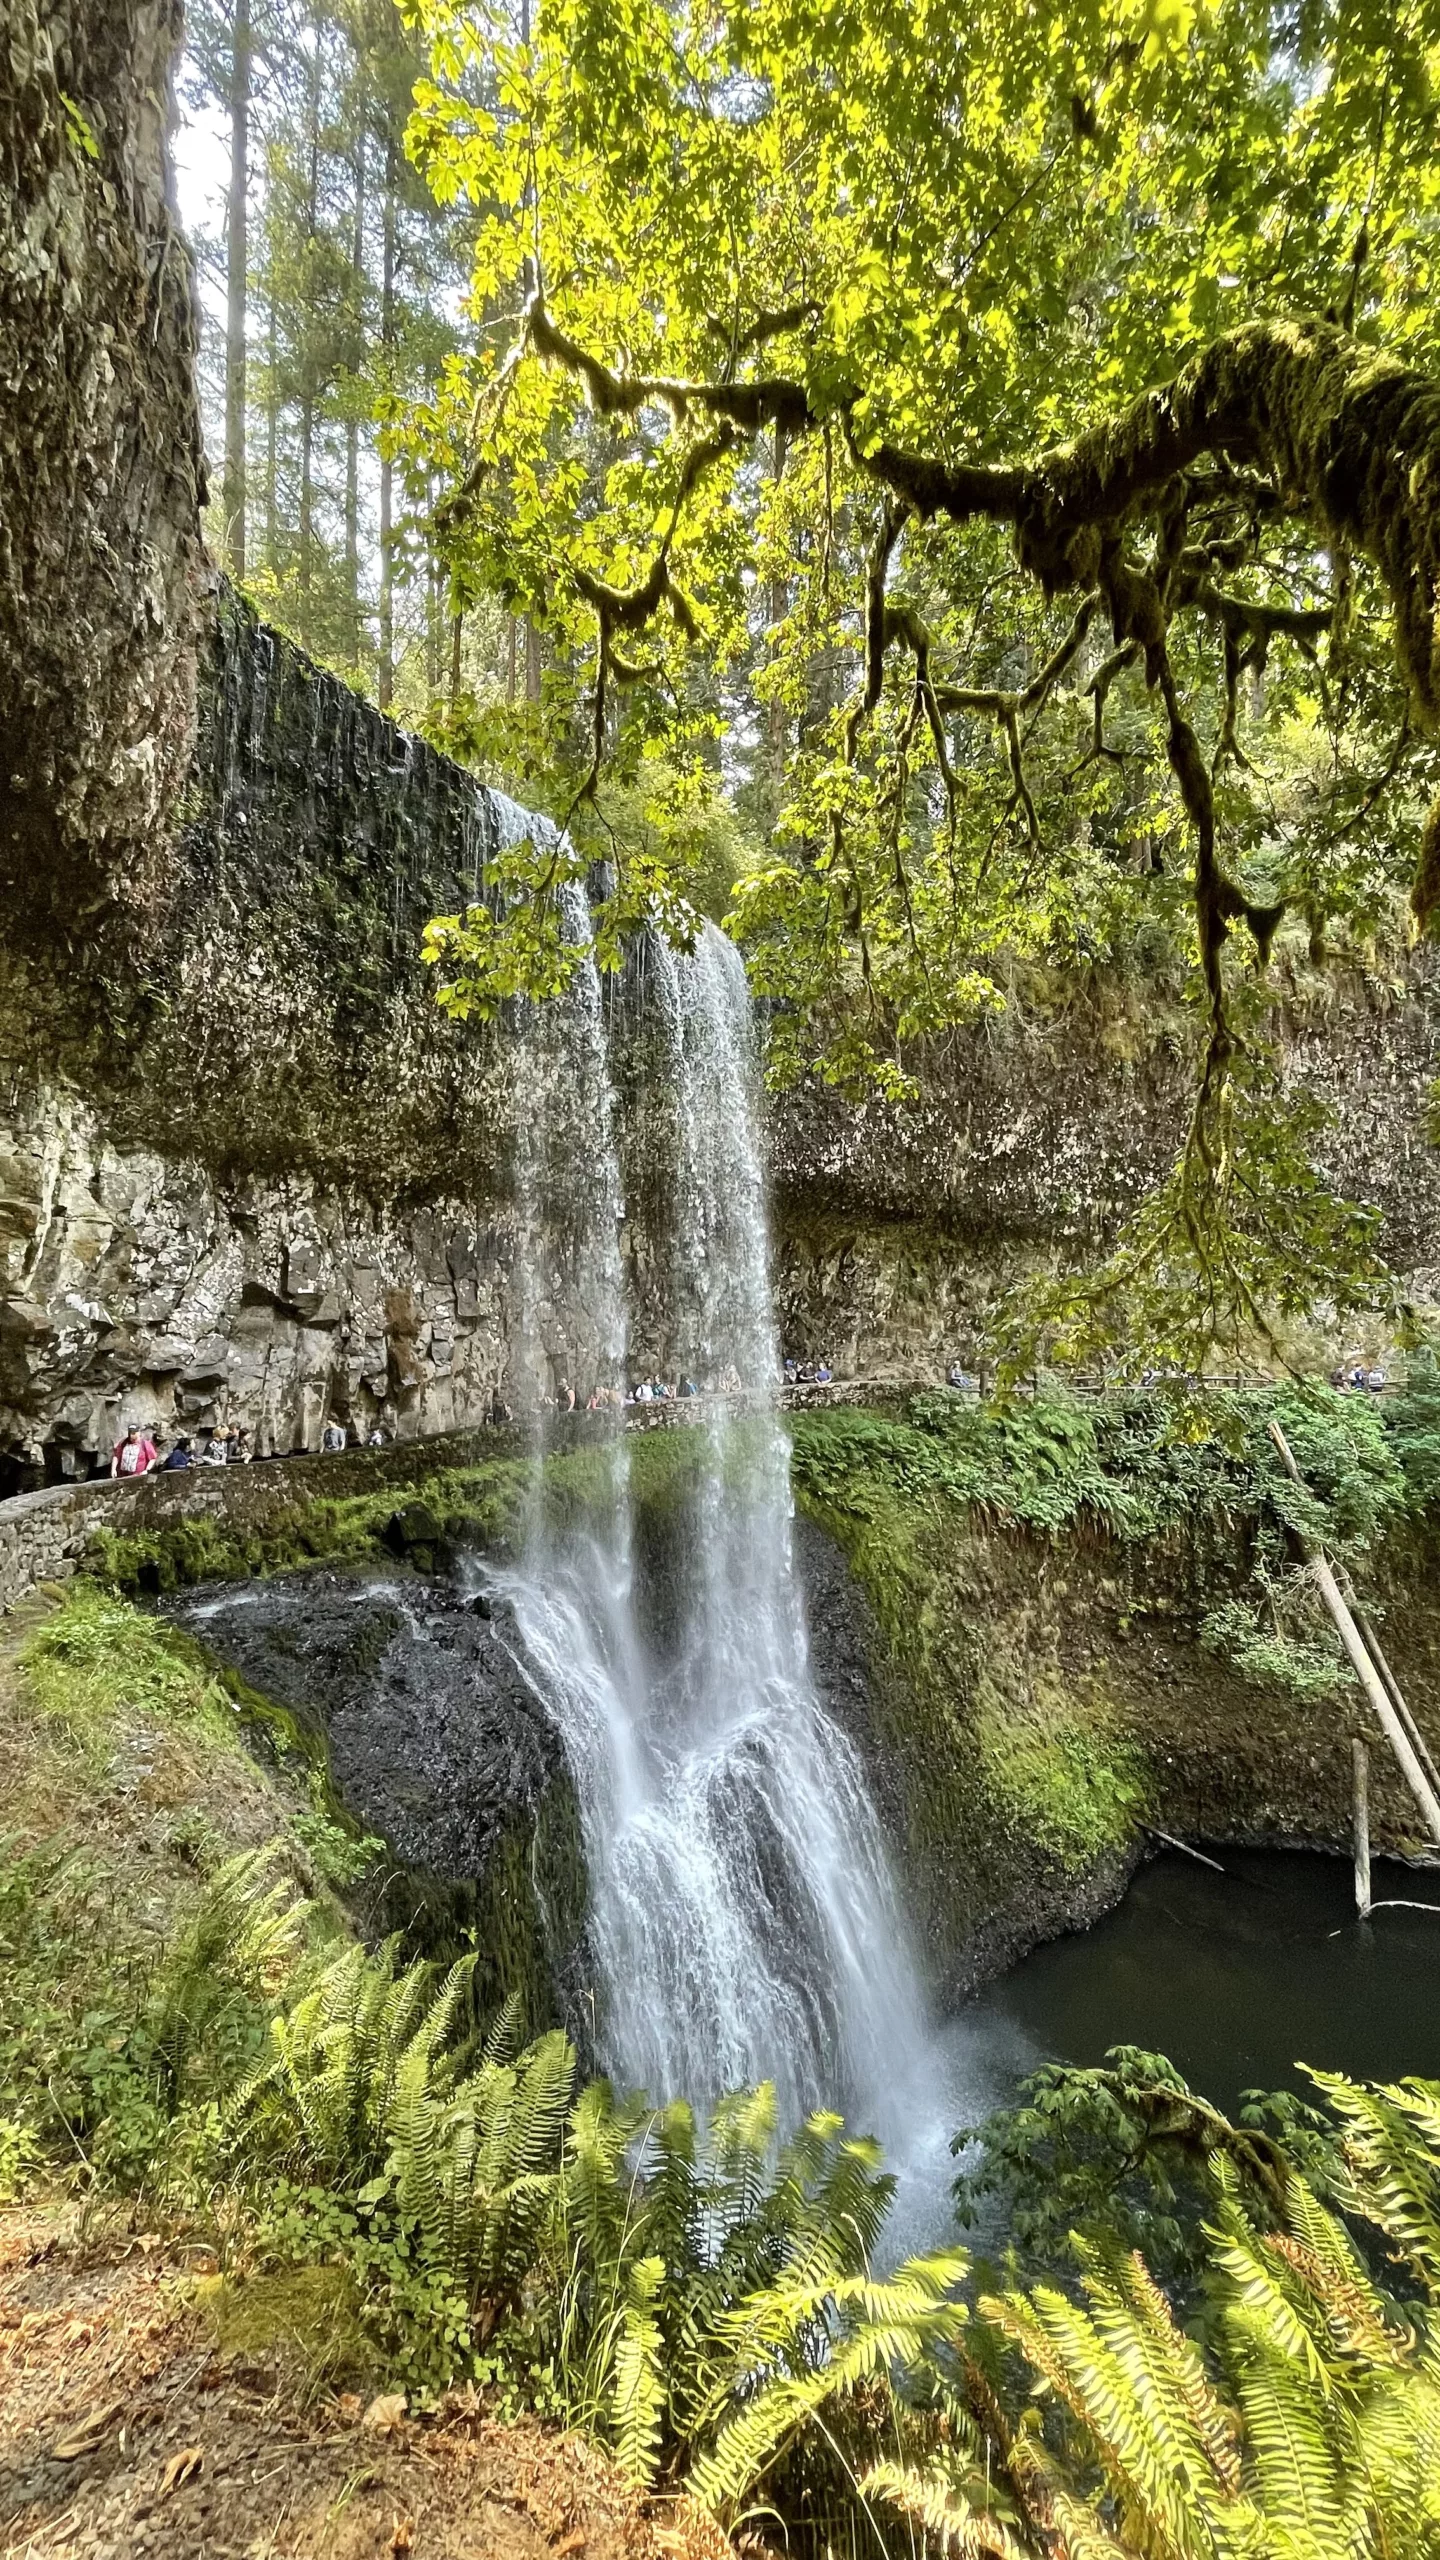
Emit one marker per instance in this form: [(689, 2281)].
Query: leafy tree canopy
[(815, 418)]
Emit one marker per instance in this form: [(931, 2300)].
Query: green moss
[(485, 1505), (1060, 1775), (523, 1919), (530, 1908), (95, 1659)]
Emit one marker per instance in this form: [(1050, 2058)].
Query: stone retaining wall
[(44, 1535)]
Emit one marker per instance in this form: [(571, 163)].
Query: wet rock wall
[(260, 1178), (1037, 1134)]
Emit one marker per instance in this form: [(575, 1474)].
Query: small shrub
[(1415, 1430), (340, 1857), (1305, 1664)]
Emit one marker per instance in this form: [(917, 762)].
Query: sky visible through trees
[(331, 290)]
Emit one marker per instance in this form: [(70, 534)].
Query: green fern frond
[(639, 2393), (1284, 2318), (1169, 2498), (799, 2344), (948, 2511), (504, 2039), (1177, 2364), (1292, 2463), (1398, 2462), (1392, 2161)]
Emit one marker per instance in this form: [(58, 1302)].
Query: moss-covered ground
[(129, 1785)]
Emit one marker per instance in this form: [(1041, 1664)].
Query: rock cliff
[(1036, 1135), (252, 1173), (256, 1174)]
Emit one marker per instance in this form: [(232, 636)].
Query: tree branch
[(1349, 436)]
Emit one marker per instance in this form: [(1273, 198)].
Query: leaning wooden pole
[(1373, 1647), (1364, 1669), (1360, 1756)]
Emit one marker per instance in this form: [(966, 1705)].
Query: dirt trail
[(124, 2430)]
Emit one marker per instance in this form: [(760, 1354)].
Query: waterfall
[(743, 1922), (568, 1300)]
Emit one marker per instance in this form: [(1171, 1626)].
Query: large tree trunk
[(101, 563), (307, 513), (307, 405), (237, 262), (352, 423), (272, 437), (387, 494)]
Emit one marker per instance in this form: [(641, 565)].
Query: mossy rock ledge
[(1036, 1710)]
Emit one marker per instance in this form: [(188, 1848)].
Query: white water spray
[(743, 1921)]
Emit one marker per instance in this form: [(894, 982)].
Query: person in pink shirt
[(134, 1455)]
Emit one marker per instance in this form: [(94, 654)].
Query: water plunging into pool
[(744, 1923)]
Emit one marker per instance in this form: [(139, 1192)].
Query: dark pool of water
[(1237, 1978)]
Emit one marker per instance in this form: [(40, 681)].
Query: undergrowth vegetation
[(713, 2301), (1139, 1466), (1199, 1479), (1188, 2336)]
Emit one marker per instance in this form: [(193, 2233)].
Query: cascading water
[(569, 1308), (743, 1921)]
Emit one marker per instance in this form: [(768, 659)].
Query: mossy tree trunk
[(101, 565)]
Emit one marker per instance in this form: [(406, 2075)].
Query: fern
[(707, 2300), (639, 2400), (947, 2510), (238, 1946), (808, 2340), (1392, 2163)]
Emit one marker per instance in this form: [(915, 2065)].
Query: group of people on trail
[(651, 1389), (808, 1373), (138, 1453), (1356, 1378), (142, 1452), (335, 1439)]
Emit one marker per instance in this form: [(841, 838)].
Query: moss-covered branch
[(1341, 434)]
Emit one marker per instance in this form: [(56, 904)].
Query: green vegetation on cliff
[(1090, 1614), (1135, 1466)]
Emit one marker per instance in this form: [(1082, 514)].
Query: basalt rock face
[(431, 1739), (257, 1175), (1036, 1135)]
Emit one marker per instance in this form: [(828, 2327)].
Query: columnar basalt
[(255, 1175)]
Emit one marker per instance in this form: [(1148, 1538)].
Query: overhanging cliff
[(252, 1172), (246, 1168)]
